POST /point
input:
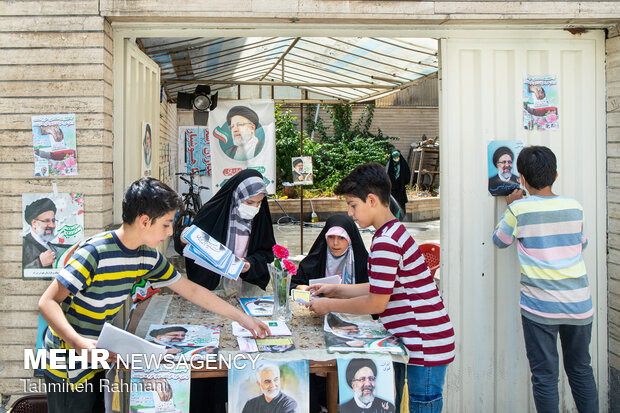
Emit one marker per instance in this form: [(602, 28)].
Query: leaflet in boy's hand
[(257, 306), (332, 279), (124, 343), (301, 296), (277, 328)]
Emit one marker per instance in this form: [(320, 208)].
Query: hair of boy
[(151, 197), (538, 166), (364, 180)]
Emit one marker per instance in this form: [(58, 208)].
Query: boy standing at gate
[(555, 296), (401, 290)]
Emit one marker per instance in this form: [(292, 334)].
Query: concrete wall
[(613, 199), (56, 58)]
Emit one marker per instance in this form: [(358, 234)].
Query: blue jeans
[(425, 387), (541, 346)]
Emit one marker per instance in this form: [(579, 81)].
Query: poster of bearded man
[(51, 224), (502, 167), (366, 385), (243, 136)]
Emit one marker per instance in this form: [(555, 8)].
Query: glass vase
[(281, 283)]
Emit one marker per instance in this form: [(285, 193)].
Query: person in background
[(400, 174), (338, 250), (555, 293)]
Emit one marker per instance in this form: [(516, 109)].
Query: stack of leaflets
[(160, 390), (347, 333), (275, 343), (184, 340), (211, 254), (257, 306)]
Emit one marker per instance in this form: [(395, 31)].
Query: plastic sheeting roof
[(349, 69)]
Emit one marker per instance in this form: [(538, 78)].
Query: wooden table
[(306, 326)]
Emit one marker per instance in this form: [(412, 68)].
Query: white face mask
[(247, 211)]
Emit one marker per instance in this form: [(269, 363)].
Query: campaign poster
[(243, 136), (54, 145), (160, 390), (147, 149), (283, 383), (366, 384), (540, 102), (302, 170), (52, 223), (502, 167), (195, 140)]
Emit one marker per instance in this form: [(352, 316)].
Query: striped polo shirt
[(415, 312), (551, 236), (99, 277)]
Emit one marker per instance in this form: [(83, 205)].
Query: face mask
[(247, 211)]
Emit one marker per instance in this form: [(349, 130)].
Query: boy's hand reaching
[(319, 305), (257, 328), (514, 195), (328, 290)]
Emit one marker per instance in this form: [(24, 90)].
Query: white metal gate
[(482, 76), (136, 101)]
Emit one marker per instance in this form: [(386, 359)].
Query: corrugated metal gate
[(480, 101)]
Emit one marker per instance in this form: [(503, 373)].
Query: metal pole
[(301, 206)]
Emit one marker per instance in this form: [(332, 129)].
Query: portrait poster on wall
[(302, 170), (165, 389), (51, 224), (269, 383), (366, 384), (502, 167), (54, 144), (243, 136), (540, 102), (147, 149), (195, 140)]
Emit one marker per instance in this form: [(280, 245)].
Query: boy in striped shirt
[(555, 296), (91, 289), (401, 290)]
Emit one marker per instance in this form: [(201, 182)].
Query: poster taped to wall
[(197, 149), (52, 223), (54, 144), (302, 170), (366, 384), (502, 167), (280, 386), (147, 148), (540, 102), (243, 135)]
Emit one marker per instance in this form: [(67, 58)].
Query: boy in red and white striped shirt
[(401, 290)]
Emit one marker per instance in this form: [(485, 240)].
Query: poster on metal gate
[(243, 136), (540, 102)]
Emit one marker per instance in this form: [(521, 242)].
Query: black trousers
[(87, 399)]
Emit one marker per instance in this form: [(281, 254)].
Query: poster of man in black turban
[(502, 167), (243, 136), (52, 223)]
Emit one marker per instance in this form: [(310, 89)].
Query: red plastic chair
[(431, 255)]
